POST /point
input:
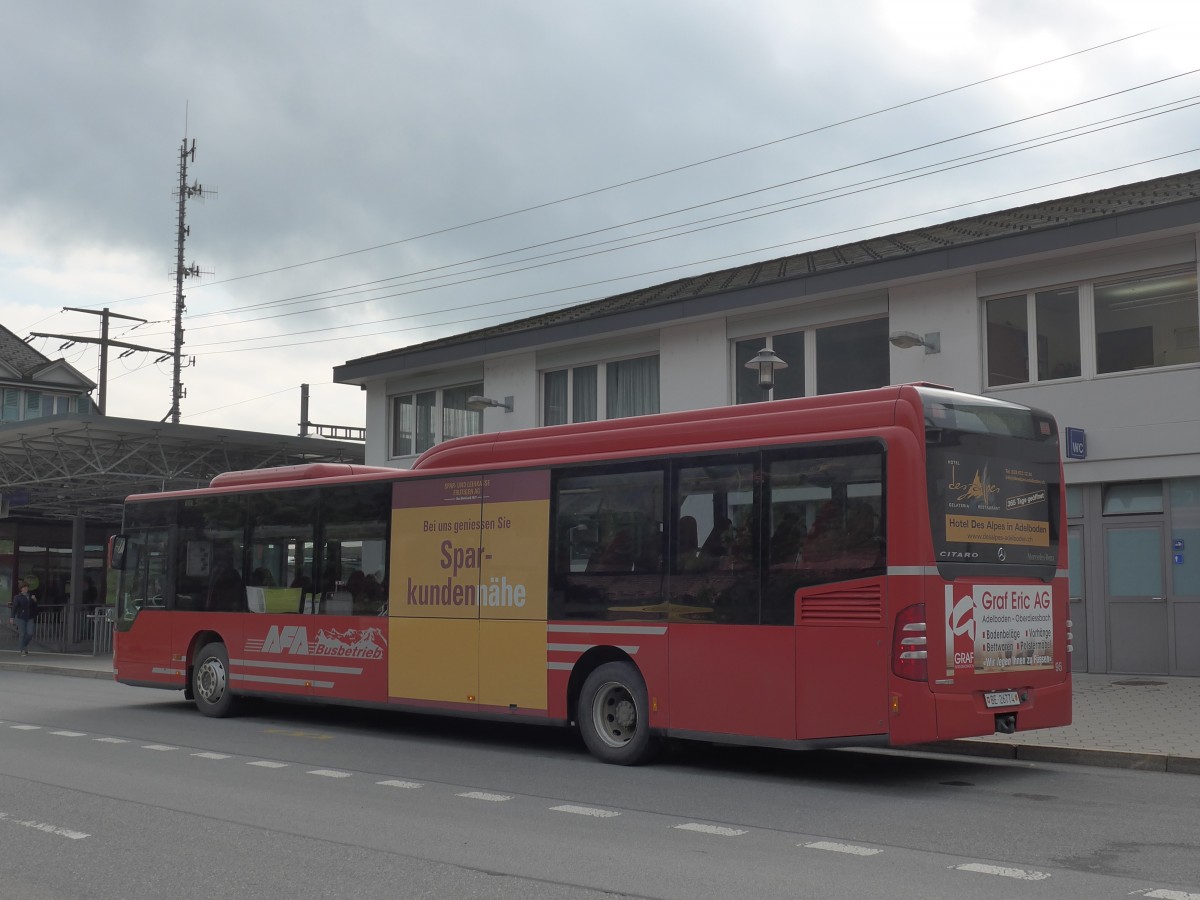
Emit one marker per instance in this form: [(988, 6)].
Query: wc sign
[(1076, 443)]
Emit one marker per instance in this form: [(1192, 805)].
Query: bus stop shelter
[(76, 470)]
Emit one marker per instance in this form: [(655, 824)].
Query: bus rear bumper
[(967, 715)]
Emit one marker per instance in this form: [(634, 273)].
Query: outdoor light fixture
[(932, 342), (766, 362), (478, 403)]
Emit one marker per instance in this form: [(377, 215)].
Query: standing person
[(24, 615)]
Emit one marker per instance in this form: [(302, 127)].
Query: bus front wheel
[(613, 715), (210, 681)]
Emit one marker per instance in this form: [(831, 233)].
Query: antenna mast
[(184, 193)]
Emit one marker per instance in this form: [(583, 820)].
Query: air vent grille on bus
[(847, 606)]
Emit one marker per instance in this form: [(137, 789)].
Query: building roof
[(29, 365), (1111, 213)]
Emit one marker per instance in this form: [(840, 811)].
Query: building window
[(1146, 322), (11, 411), (853, 357), (1139, 322), (627, 387), (789, 382), (425, 418), (632, 387), (569, 395), (33, 404)]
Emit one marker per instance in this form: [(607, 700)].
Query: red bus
[(885, 567)]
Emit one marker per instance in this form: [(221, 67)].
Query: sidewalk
[(1127, 721)]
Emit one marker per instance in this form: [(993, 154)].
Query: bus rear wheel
[(210, 681), (613, 715)]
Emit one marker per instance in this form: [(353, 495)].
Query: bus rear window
[(993, 479)]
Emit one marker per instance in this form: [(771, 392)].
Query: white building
[(1085, 306)]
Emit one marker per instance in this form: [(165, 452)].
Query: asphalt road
[(108, 791)]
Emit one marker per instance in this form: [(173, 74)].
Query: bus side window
[(608, 549)]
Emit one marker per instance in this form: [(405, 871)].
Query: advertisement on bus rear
[(992, 628), (993, 509)]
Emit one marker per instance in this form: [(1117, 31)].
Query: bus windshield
[(993, 482)]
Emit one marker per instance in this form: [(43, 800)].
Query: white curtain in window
[(583, 394), (632, 387), (457, 419), (554, 398)]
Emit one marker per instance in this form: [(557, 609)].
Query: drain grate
[(1138, 682)]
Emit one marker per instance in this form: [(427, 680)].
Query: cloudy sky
[(386, 172)]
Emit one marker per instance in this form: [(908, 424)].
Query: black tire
[(613, 715), (210, 681)]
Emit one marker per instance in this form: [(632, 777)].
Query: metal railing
[(81, 631)]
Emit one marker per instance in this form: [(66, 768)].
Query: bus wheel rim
[(614, 714), (210, 680)]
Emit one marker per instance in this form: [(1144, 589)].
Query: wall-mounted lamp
[(479, 404), (766, 362), (932, 342)]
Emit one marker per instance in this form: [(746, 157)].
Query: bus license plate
[(995, 699)]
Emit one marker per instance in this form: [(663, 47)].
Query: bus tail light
[(909, 656)]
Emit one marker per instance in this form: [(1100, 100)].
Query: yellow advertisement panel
[(512, 664), (991, 530), (466, 550), (433, 659), (471, 547)]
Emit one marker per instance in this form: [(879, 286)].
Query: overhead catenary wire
[(763, 249), (669, 171), (751, 213)]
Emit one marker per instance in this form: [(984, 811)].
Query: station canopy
[(59, 467)]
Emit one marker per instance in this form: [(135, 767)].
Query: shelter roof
[(86, 464)]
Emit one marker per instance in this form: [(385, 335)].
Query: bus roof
[(698, 429)]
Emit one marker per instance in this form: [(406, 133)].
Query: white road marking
[(212, 755), (107, 740), (329, 773), (1005, 871), (1164, 894), (841, 848), (480, 795), (392, 782), (712, 829), (70, 733), (268, 764), (43, 826), (163, 747), (26, 727), (586, 811)]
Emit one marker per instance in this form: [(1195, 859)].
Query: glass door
[(1135, 598)]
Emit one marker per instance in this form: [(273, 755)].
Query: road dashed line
[(483, 795), (721, 830), (1003, 871), (586, 811), (595, 812), (46, 827), (852, 849)]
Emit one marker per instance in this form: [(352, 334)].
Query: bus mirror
[(116, 552)]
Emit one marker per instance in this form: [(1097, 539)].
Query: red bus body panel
[(828, 678)]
